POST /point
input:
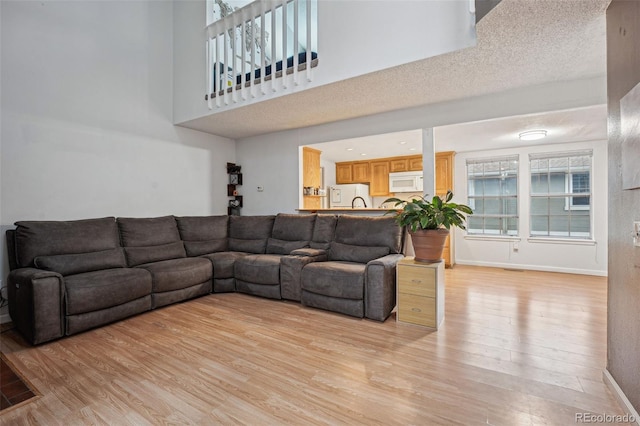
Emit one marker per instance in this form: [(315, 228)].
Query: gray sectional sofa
[(70, 276)]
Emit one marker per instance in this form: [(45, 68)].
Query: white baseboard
[(621, 397), (532, 267)]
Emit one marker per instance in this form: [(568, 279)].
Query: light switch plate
[(636, 234)]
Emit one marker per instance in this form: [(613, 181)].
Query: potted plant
[(428, 223)]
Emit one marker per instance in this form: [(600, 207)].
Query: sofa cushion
[(275, 246), (147, 240), (323, 231), (335, 279), (352, 253), (250, 233), (176, 274), (69, 264), (369, 231), (248, 246), (198, 248), (293, 227), (258, 268), (153, 231), (92, 291), (223, 262), (46, 238), (139, 255), (204, 234)]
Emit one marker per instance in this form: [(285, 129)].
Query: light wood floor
[(516, 348)]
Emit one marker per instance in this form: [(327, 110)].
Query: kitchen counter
[(345, 209)]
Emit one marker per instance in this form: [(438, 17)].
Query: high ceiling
[(521, 43)]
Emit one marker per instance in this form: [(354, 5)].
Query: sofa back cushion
[(323, 231), (148, 240), (353, 253), (250, 234), (50, 238), (70, 264), (382, 231), (290, 232), (204, 234)]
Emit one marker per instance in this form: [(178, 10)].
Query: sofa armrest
[(308, 252), (291, 273), (380, 287), (36, 300)]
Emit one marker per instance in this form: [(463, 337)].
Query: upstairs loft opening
[(251, 43)]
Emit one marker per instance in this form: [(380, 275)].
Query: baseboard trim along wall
[(621, 397), (532, 267)]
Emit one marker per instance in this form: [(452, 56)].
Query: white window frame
[(568, 184), (498, 234), (568, 195)]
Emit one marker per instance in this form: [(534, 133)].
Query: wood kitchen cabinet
[(311, 176), (444, 172), (379, 184), (415, 163), (444, 183), (360, 172), (352, 172), (398, 165), (344, 173)]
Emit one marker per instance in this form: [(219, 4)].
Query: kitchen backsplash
[(379, 201)]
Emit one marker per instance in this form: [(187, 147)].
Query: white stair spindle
[(225, 67), (218, 73), (296, 41), (262, 50), (243, 53), (309, 44), (274, 56), (284, 45)]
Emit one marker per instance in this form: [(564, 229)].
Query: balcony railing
[(266, 46)]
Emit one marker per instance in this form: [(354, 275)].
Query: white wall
[(272, 161), (86, 117), (354, 38), (536, 254)]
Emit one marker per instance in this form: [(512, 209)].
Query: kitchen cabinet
[(444, 182), (352, 172), (311, 176), (415, 163), (344, 173), (398, 165), (444, 172), (379, 184), (360, 172)]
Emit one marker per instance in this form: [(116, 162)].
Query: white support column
[(428, 162)]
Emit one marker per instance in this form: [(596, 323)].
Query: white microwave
[(405, 182)]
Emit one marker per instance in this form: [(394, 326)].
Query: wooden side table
[(420, 292)]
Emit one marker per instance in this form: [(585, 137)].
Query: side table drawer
[(417, 281), (419, 310)]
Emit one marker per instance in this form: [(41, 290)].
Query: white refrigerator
[(342, 196)]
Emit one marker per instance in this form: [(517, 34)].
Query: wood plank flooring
[(515, 348)]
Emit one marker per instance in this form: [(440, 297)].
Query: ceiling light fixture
[(412, 149), (402, 142), (349, 149), (363, 154), (532, 135)]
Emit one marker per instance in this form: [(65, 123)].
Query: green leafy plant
[(420, 213)]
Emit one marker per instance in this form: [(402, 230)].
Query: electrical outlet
[(260, 188), (636, 234)]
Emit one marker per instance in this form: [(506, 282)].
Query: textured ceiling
[(520, 43), (576, 125)]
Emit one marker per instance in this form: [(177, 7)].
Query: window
[(493, 196), (561, 194)]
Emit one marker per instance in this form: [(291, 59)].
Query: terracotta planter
[(428, 244)]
